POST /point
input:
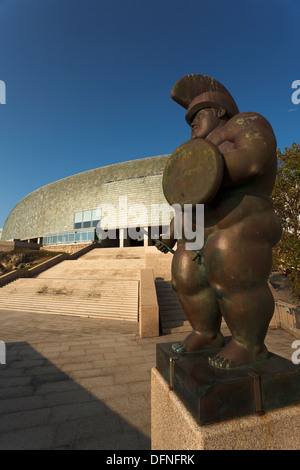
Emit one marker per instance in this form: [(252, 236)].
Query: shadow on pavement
[(41, 407)]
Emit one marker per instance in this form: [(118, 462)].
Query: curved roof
[(51, 208)]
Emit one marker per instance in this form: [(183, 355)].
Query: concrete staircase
[(104, 283), (84, 298), (172, 316)]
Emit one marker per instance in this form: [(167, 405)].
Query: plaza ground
[(82, 383)]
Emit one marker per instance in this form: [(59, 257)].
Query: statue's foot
[(197, 342), (234, 355)]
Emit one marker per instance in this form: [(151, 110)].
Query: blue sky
[(88, 81)]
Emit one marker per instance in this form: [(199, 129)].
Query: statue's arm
[(254, 149)]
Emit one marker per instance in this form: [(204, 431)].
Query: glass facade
[(82, 236)]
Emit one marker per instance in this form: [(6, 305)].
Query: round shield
[(193, 173)]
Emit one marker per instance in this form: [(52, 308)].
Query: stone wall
[(18, 245), (51, 208)]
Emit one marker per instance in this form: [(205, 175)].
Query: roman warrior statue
[(229, 166)]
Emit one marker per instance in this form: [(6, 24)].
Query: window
[(78, 220), (87, 219), (96, 216), (90, 235)]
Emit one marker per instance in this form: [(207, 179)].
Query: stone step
[(79, 309), (170, 306), (115, 253), (67, 308), (73, 285), (71, 298), (90, 273), (178, 329), (172, 316), (86, 298), (74, 301), (102, 262), (77, 284), (63, 294), (86, 314), (173, 322)]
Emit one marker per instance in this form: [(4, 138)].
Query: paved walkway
[(77, 383)]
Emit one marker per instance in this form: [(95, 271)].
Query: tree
[(286, 193), (286, 201)]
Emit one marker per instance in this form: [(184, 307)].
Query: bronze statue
[(229, 165)]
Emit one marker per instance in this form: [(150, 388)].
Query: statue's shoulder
[(248, 123), (247, 119)]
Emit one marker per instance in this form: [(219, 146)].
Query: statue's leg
[(198, 301), (238, 270)]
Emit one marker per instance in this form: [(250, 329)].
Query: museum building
[(104, 204)]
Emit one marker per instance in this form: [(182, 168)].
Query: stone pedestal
[(196, 406), (214, 395), (173, 427)]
